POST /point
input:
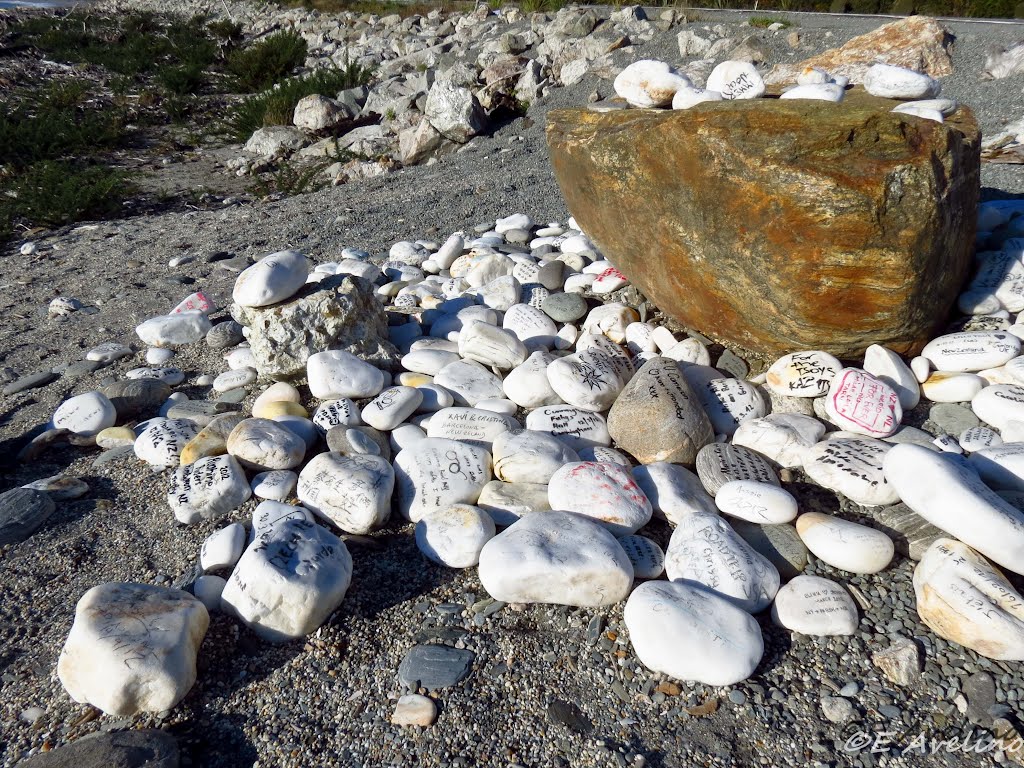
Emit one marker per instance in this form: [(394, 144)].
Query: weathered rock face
[(340, 312), (916, 42), (777, 225)]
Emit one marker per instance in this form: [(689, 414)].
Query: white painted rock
[(276, 485), (207, 489), (647, 557), (757, 502), (556, 557), (604, 492), (892, 82), (174, 330), (469, 382), (860, 403), (527, 384), (736, 80), (730, 402), (706, 550), (853, 467), (392, 407), (971, 350), (222, 548), (649, 83), (526, 456), (943, 387), (999, 404), (436, 473), (691, 633), (474, 426), (262, 444), (289, 580), (160, 444), (686, 98), (978, 438), (453, 536), (802, 374), (782, 437), (843, 544), (675, 492), (962, 598), (575, 427), (87, 414), (336, 374), (337, 412), (272, 279), (885, 365), (208, 590), (132, 648), (353, 492), (815, 606)]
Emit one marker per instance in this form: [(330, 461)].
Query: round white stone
[(453, 536), (527, 456), (815, 606), (685, 98), (858, 402), (736, 80), (276, 485), (802, 374), (977, 438), (853, 467), (435, 473), (272, 279), (649, 83), (604, 492), (87, 414), (675, 492), (337, 374), (844, 544), (206, 489), (757, 502)]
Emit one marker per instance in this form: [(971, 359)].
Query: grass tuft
[(763, 22), (261, 65)]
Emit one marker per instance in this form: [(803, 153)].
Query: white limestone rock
[(685, 98), (338, 374), (353, 492), (526, 456), (174, 330), (527, 384), (87, 414), (844, 544), (999, 405), (584, 382), (207, 489), (491, 346), (675, 492), (736, 80), (647, 557), (507, 502), (473, 426), (756, 502), (337, 412), (812, 605), (803, 374), (222, 548), (272, 279), (942, 387), (436, 473), (1001, 467), (816, 92), (603, 492), (469, 382), (885, 365), (455, 535), (392, 407), (853, 467), (892, 82), (575, 427), (161, 442), (783, 437)]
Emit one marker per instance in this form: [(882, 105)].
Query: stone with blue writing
[(207, 489), (353, 492), (289, 580), (852, 467), (812, 605)]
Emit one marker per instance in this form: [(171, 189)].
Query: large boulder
[(916, 42), (454, 111), (780, 224), (339, 312)]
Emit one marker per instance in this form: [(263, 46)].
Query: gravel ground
[(328, 700)]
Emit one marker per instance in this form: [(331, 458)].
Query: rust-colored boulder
[(916, 42), (777, 225)]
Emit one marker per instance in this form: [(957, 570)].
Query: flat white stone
[(917, 110), (527, 456), (436, 473), (575, 427), (174, 330), (240, 357), (428, 361), (132, 648), (647, 557), (730, 402), (691, 633), (816, 92), (527, 384), (240, 377), (160, 443), (736, 80), (971, 351), (434, 398), (843, 544), (757, 502), (556, 557), (962, 598), (803, 374), (977, 438), (392, 407), (649, 83), (453, 536), (336, 374), (608, 280), (474, 426), (686, 98), (815, 606), (353, 492), (289, 580), (469, 382), (531, 326), (1001, 467), (222, 548), (87, 414), (604, 492), (782, 437), (272, 279), (858, 402), (943, 387), (999, 404), (207, 489), (172, 376), (158, 355), (276, 485), (337, 412), (675, 492), (263, 444), (704, 549), (108, 352), (892, 82), (887, 366), (853, 467)]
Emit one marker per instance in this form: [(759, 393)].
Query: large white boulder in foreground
[(556, 557), (132, 648), (691, 633)]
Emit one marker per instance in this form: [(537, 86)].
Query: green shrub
[(902, 8), (763, 22), (261, 65), (56, 192)]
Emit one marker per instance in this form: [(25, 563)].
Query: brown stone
[(916, 42), (777, 225)]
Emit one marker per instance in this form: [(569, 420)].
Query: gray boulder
[(454, 111), (276, 140)]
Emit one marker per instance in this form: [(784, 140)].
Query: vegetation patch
[(262, 64), (763, 22)]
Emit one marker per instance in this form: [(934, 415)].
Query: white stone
[(240, 357), (208, 590), (529, 457), (649, 83), (453, 536), (815, 606), (608, 280), (132, 648), (87, 414), (353, 492), (337, 412), (404, 436), (436, 473), (730, 402), (689, 351), (160, 443), (498, 405), (469, 382), (584, 382), (736, 80), (289, 580), (269, 514), (491, 346), (507, 502), (222, 548), (575, 427), (675, 492), (892, 82), (276, 485), (207, 489), (272, 279), (915, 109), (853, 467), (782, 437), (816, 92), (108, 352), (158, 355), (556, 557), (1001, 467), (474, 426), (241, 377), (887, 366), (174, 330), (530, 325), (611, 320), (757, 502), (977, 438), (262, 444), (921, 367), (843, 544), (647, 557), (962, 598), (602, 491), (392, 407), (428, 361), (971, 350), (171, 376), (691, 633), (803, 374), (999, 404), (685, 98), (858, 402), (943, 387), (434, 398), (336, 374)]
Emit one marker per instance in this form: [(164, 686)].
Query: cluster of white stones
[(649, 83), (534, 429)]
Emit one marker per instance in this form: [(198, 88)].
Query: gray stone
[(22, 512), (910, 532), (33, 380), (565, 307), (340, 312), (224, 335), (114, 454), (568, 714), (719, 463), (133, 397), (900, 662), (354, 441), (81, 368), (435, 666), (454, 111), (202, 412), (781, 544), (980, 691), (952, 418), (232, 397), (733, 364), (837, 710), (148, 748)]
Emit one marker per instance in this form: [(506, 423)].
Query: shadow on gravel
[(215, 741)]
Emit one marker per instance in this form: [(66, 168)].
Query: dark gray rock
[(81, 368), (122, 749), (781, 544), (980, 691), (435, 666), (133, 397), (565, 307), (568, 714), (22, 512), (200, 411), (33, 380), (910, 532), (224, 335)]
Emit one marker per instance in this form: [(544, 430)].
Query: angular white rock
[(757, 502), (207, 489), (858, 402), (391, 407), (87, 414), (337, 374), (353, 492), (602, 491), (222, 548), (272, 279), (649, 83), (843, 544), (453, 536), (815, 606)]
